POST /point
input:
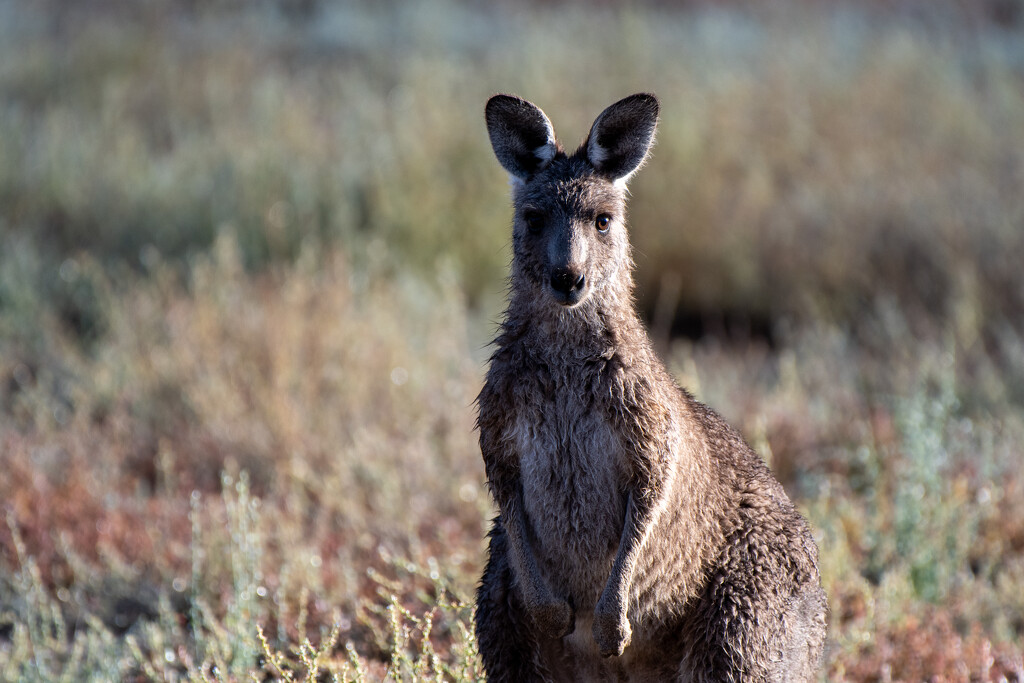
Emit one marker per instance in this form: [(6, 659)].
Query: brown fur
[(638, 537)]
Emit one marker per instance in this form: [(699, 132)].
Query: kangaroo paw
[(554, 619), (612, 633)]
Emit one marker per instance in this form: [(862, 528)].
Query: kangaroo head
[(569, 238)]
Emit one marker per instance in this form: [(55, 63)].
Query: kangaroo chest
[(574, 477)]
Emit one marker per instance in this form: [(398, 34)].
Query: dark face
[(569, 236)]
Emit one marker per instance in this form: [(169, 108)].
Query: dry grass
[(294, 450), (249, 262), (247, 455)]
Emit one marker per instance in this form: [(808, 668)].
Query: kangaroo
[(638, 537)]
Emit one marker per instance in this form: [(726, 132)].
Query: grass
[(250, 260), (259, 490)]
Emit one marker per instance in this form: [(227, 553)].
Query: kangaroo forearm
[(640, 517), (552, 615), (612, 630), (524, 564), (506, 486)]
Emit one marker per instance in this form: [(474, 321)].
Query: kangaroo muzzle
[(568, 285)]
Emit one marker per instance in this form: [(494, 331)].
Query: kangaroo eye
[(534, 221), (602, 222)]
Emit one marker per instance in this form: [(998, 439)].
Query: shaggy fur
[(638, 537)]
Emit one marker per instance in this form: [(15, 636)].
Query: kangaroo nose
[(565, 281)]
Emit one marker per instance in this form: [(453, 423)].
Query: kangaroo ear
[(521, 135), (622, 135)]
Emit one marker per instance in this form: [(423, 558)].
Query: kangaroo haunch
[(638, 537)]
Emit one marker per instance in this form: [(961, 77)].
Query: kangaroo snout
[(568, 285)]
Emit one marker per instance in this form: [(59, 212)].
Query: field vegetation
[(251, 255)]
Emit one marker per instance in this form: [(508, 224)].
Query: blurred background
[(251, 255)]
